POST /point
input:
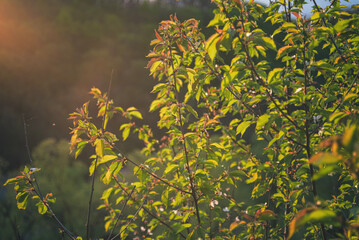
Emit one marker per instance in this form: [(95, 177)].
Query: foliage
[(234, 118), (67, 180)]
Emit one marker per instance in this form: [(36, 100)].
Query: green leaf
[(323, 216), (22, 200), (342, 24), (211, 46), (159, 87), (238, 173), (41, 208), (126, 131), (135, 113), (243, 127), (262, 120), (324, 171), (100, 147), (337, 116), (156, 104), (170, 168), (268, 42), (323, 158), (106, 158), (106, 194), (272, 75)]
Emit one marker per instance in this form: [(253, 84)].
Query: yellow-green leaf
[(100, 147)]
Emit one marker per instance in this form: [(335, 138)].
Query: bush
[(254, 129)]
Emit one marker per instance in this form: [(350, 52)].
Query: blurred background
[(51, 53)]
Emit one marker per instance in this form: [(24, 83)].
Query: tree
[(234, 120)]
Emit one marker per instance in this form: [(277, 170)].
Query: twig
[(190, 174), (90, 201), (144, 168), (37, 189), (330, 35), (147, 210), (94, 171), (138, 210), (119, 216), (108, 97)]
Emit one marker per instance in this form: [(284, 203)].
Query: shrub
[(253, 127)]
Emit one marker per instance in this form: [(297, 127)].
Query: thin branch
[(134, 216), (94, 172), (119, 216), (190, 174), (147, 210), (90, 201), (37, 189), (108, 97), (144, 168), (252, 67), (330, 35)]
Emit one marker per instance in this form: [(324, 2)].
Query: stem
[(190, 174), (252, 67), (119, 216), (330, 35), (307, 133), (144, 168), (147, 210), (138, 210), (37, 189), (90, 201)]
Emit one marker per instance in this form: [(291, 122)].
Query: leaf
[(14, 180), (107, 193), (269, 43), (323, 157), (323, 216), (262, 120), (297, 222), (159, 87), (336, 116), (136, 114), (243, 127), (41, 208), (342, 24), (170, 168), (156, 104), (266, 215), (211, 46), (107, 158), (282, 51), (350, 137), (22, 200), (234, 225), (100, 146), (273, 74), (126, 133), (238, 173)]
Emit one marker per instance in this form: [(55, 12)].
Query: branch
[(37, 189), (138, 210), (94, 172), (147, 210), (190, 174), (330, 35), (144, 168), (123, 207), (90, 200)]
